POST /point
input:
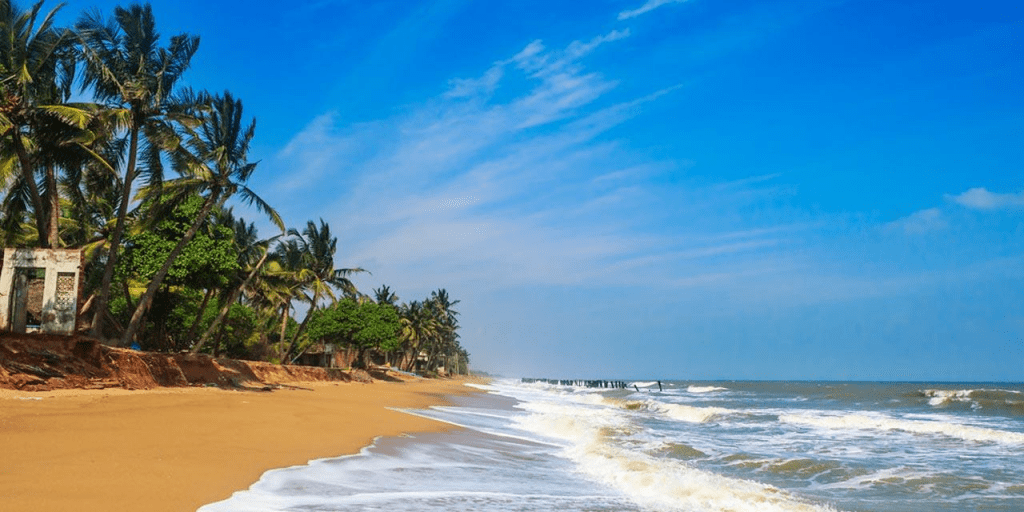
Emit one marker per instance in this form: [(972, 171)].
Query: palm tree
[(445, 342), (418, 327), (244, 236), (281, 285), (36, 71), (213, 161), (384, 295), (16, 230), (246, 233), (128, 69), (315, 248), (90, 184)]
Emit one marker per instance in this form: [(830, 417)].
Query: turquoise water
[(692, 446)]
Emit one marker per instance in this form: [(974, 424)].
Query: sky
[(640, 189)]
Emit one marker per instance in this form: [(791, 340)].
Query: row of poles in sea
[(609, 384)]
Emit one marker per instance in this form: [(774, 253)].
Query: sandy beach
[(176, 449)]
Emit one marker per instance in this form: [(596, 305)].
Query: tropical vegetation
[(139, 176)]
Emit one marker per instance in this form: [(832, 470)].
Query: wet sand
[(176, 449)]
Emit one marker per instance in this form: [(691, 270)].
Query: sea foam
[(593, 439), (878, 422), (705, 389), (692, 414)]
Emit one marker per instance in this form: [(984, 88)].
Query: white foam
[(885, 423), (663, 484), (942, 397), (591, 440), (882, 476), (705, 389), (691, 414)]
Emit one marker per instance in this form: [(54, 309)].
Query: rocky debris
[(40, 362)]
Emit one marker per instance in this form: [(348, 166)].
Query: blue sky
[(771, 189)]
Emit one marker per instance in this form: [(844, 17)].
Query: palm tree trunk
[(302, 326), (115, 239), (147, 298), (284, 327), (53, 226), (30, 182), (199, 315), (231, 300), (409, 358), (127, 295)]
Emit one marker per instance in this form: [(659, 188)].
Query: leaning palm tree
[(127, 69), (212, 162), (244, 236), (315, 248), (278, 286), (254, 270)]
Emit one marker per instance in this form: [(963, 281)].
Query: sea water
[(683, 446)]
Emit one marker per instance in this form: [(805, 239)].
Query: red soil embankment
[(34, 362)]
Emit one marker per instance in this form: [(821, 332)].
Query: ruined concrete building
[(39, 290)]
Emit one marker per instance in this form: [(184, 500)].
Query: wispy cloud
[(921, 221), (529, 189), (982, 199), (646, 8), (538, 185)]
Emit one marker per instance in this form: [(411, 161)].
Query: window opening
[(27, 307)]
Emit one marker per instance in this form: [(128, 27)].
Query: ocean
[(690, 446)]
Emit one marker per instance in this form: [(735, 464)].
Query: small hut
[(39, 290)]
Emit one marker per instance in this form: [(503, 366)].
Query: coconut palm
[(384, 295), (17, 231), (212, 162), (246, 232), (36, 72), (128, 70), (418, 327), (244, 236), (314, 250), (442, 307)]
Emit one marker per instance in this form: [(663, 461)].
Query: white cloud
[(981, 199), (524, 191), (470, 87), (647, 7), (540, 186), (921, 221)]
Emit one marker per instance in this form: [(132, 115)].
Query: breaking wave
[(866, 422), (705, 389), (592, 441), (691, 414), (984, 399)]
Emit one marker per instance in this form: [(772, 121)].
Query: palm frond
[(73, 116), (262, 206)]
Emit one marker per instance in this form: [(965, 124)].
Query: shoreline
[(176, 449)]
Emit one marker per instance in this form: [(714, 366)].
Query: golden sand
[(176, 449)]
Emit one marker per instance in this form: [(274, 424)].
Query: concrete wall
[(63, 267)]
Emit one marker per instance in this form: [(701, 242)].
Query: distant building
[(39, 290), (328, 355)]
